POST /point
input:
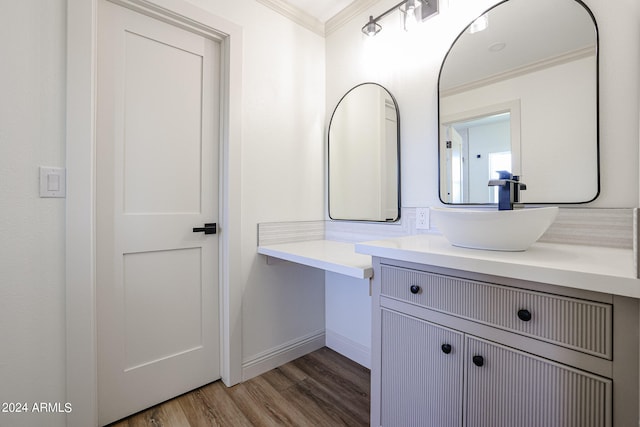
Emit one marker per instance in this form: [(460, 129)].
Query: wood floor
[(322, 388)]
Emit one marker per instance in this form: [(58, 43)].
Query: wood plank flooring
[(322, 388)]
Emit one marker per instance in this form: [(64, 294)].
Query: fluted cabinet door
[(421, 373), (507, 388)]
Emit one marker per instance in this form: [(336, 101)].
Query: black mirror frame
[(597, 35), (395, 103)]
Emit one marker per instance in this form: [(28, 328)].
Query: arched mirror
[(518, 91), (364, 169)]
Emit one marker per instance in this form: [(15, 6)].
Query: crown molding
[(347, 14), (525, 69), (297, 15), (301, 17)]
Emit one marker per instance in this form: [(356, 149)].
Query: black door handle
[(209, 228)]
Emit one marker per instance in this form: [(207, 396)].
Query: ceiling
[(322, 10)]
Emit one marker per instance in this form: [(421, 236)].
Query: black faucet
[(509, 187)]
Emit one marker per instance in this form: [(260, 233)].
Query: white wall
[(407, 64), (348, 317), (32, 277), (282, 179), (282, 168)]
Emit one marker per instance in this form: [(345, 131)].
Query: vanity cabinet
[(452, 348)]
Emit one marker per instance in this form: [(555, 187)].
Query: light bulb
[(411, 13)]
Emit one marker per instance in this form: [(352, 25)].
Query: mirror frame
[(397, 110), (597, 107)]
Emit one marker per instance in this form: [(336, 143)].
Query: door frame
[(81, 327)]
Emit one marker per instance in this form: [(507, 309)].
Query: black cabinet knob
[(478, 360), (446, 348), (414, 289), (524, 315)]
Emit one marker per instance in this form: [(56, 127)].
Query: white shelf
[(329, 255)]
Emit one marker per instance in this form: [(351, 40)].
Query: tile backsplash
[(611, 228), (578, 226), (272, 233)]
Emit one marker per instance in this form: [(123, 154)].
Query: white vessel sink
[(493, 230)]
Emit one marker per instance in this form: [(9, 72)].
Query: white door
[(157, 179)]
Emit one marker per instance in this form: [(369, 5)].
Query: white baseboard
[(348, 348), (278, 356)]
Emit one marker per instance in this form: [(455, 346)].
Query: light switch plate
[(422, 218), (53, 182)]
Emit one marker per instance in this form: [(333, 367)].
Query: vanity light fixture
[(372, 27), (413, 12)]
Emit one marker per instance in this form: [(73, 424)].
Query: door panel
[(152, 335), (421, 379), (151, 65), (157, 179), (507, 387)]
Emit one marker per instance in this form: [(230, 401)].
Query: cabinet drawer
[(573, 323)]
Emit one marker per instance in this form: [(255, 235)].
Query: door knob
[(209, 228)]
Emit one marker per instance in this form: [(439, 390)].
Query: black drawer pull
[(414, 289), (524, 315), (446, 348), (478, 360)]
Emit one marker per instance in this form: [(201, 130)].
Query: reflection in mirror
[(478, 144), (520, 93), (364, 173)]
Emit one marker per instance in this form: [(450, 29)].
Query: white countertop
[(590, 268), (583, 267), (339, 257)]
